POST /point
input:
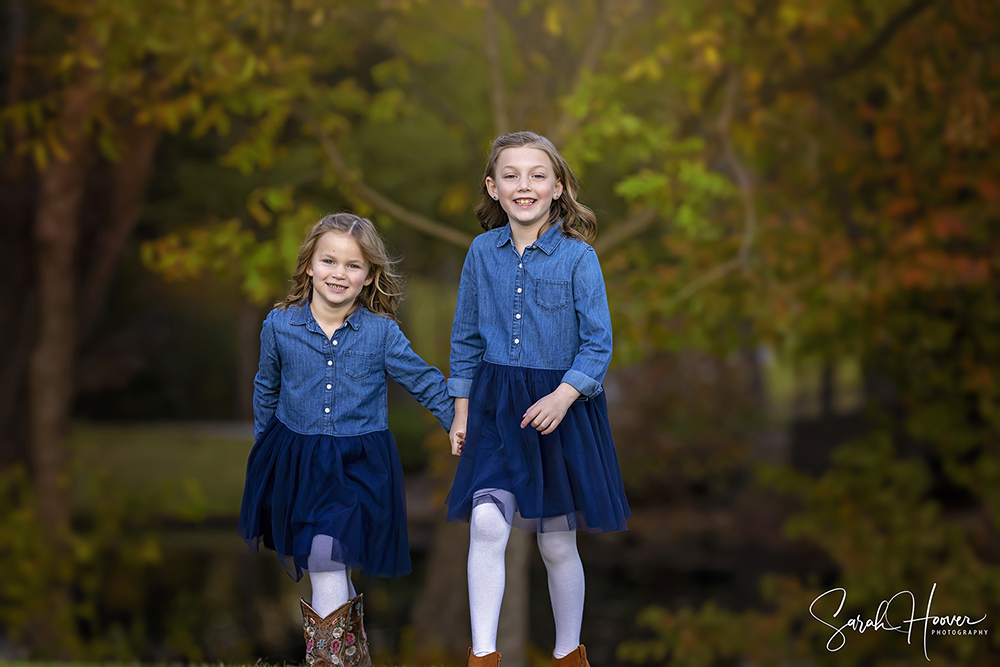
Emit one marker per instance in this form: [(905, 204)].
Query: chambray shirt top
[(337, 386), (545, 309)]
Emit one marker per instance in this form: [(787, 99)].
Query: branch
[(634, 225), (701, 281), (846, 64), (597, 41), (746, 193), (382, 203), (491, 49), (742, 177)]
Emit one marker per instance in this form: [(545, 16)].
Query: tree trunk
[(51, 364), (512, 635), (441, 624), (51, 367)]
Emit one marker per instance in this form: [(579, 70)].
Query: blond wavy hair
[(578, 221), (382, 295)]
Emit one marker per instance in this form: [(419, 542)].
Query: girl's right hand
[(457, 441), (457, 433)]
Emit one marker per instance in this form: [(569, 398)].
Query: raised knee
[(489, 527)]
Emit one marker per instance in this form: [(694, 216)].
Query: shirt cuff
[(584, 384), (459, 387)]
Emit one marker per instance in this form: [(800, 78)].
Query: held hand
[(458, 426), (548, 411)]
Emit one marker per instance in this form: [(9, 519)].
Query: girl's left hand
[(548, 411)]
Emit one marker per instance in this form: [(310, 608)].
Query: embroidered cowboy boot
[(338, 640), (578, 658), (488, 660)]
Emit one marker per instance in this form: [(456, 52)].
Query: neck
[(525, 236), (329, 318)]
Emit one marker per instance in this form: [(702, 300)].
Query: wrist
[(568, 391)]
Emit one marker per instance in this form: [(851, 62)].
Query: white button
[(518, 290), (518, 316), (516, 341), (520, 266), (327, 410), (329, 363), (334, 342), (329, 386)]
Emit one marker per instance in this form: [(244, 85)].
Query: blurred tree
[(814, 176), (822, 166), (91, 86)]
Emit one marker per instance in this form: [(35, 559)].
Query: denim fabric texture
[(337, 386), (547, 309)]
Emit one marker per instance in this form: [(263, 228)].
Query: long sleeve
[(267, 382), (467, 344), (425, 383), (590, 300)]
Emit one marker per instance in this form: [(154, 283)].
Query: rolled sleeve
[(267, 382), (591, 302), (425, 383), (459, 387), (586, 385)]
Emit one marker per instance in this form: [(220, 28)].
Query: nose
[(524, 184)]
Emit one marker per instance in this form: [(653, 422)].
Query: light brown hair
[(382, 295), (578, 221)]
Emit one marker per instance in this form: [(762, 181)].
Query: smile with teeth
[(524, 202), (338, 288)]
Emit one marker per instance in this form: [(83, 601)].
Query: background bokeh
[(799, 213)]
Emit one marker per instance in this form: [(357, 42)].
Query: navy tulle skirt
[(566, 480), (327, 502)]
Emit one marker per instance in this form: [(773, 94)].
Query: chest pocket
[(358, 365), (551, 294)]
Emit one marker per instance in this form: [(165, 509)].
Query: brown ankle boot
[(578, 658), (339, 639), (488, 660)]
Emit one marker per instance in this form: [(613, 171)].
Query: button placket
[(519, 282)]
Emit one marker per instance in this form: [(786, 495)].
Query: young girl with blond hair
[(324, 484)]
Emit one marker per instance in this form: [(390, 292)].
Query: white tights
[(331, 581), (488, 542)]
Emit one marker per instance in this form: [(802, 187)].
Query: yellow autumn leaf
[(553, 25)]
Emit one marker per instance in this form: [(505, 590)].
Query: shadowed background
[(799, 214)]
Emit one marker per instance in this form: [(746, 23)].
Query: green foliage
[(821, 178), (115, 543)]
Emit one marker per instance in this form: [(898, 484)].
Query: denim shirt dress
[(523, 325), (324, 485)]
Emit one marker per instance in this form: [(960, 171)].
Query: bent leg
[(488, 534)]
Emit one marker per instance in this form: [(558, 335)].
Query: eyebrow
[(324, 253), (537, 166)]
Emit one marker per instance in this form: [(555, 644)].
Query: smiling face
[(339, 271), (525, 184)]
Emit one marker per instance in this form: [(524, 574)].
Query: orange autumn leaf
[(887, 142)]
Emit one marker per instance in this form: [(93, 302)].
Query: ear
[(370, 278), (491, 187), (559, 189), (309, 270)]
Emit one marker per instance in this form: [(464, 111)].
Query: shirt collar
[(302, 314), (546, 243)]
